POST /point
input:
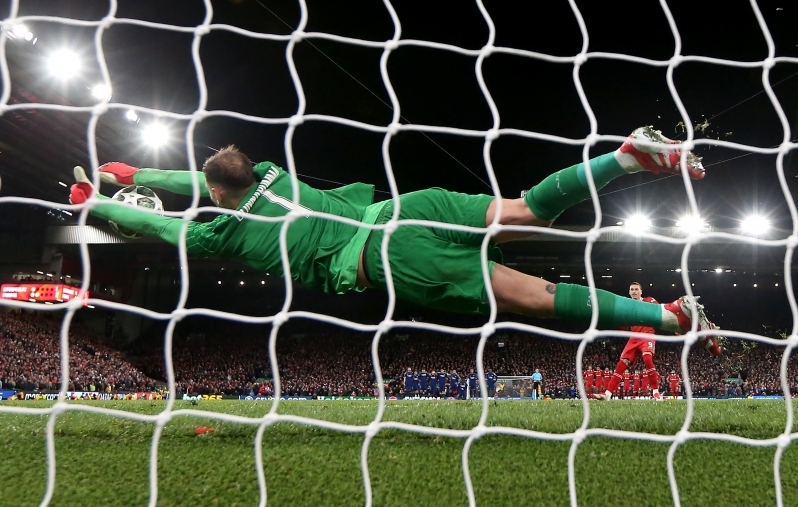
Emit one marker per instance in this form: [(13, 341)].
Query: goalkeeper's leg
[(645, 150), (529, 295)]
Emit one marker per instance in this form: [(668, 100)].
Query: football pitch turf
[(104, 461)]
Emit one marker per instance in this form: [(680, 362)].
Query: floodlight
[(718, 270), (637, 223), (131, 115), (755, 224), (20, 30), (64, 63), (689, 224), (155, 135), (102, 92)]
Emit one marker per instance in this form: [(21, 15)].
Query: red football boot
[(682, 309), (665, 156)]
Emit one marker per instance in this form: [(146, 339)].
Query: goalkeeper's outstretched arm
[(150, 224), (178, 182)]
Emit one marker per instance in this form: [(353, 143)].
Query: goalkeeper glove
[(117, 173), (82, 190)]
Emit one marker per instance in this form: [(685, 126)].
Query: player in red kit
[(590, 377), (643, 346), (673, 380), (627, 384), (643, 383), (636, 386)]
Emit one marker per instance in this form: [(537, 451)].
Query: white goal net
[(300, 119)]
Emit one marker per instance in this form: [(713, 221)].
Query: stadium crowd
[(30, 359), (233, 359)]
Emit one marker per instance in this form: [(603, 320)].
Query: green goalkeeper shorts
[(434, 267)]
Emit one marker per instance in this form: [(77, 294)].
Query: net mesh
[(389, 131)]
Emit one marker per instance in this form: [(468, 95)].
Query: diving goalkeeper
[(434, 267)]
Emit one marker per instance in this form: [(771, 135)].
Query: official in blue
[(537, 385), (442, 383), (490, 380)]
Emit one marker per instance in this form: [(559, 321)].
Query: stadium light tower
[(155, 135), (756, 225), (690, 224), (64, 63), (637, 223)]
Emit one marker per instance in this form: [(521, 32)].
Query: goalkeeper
[(434, 267)]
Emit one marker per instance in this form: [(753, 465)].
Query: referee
[(537, 380)]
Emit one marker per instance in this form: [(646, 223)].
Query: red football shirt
[(645, 329)]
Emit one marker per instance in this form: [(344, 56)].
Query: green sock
[(572, 302), (563, 189)]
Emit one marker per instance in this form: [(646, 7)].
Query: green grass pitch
[(103, 461)]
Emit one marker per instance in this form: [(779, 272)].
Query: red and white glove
[(83, 189), (117, 173)]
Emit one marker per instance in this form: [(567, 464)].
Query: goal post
[(514, 386)]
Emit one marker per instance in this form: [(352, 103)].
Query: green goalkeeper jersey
[(322, 253)]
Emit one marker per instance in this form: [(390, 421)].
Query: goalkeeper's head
[(228, 176)]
